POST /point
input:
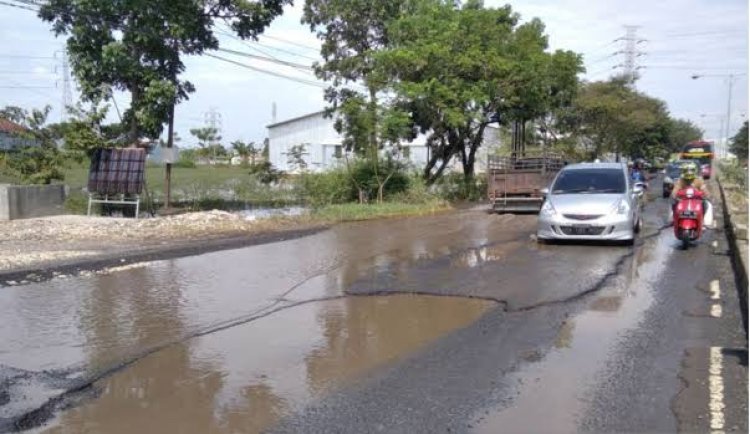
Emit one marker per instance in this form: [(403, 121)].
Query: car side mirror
[(638, 188), (544, 191)]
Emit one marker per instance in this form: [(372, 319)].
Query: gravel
[(24, 243)]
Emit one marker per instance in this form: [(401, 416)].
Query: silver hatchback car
[(591, 201)]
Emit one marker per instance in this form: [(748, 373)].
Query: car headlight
[(622, 207), (548, 209), (668, 180)]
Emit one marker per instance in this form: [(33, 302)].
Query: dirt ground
[(39, 242)]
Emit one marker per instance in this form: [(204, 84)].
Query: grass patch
[(354, 211), (76, 176)]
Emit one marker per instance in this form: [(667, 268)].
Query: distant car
[(671, 175), (591, 201)]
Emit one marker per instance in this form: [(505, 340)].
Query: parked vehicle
[(687, 217), (591, 201), (515, 184)]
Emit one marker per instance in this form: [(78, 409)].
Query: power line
[(268, 59), (26, 87), (296, 44), (253, 47), (265, 71), (13, 5), (23, 56)]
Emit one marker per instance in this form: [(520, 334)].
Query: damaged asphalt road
[(451, 323)]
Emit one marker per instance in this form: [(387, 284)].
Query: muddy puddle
[(553, 391), (246, 378)]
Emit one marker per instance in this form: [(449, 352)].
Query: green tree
[(137, 46), (296, 157), (208, 140), (247, 151), (352, 32), (738, 147), (611, 117), (682, 131), (241, 149), (43, 162), (457, 69)]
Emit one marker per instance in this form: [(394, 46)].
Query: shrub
[(340, 185), (454, 186), (265, 172)]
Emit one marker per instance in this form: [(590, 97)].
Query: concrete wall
[(26, 201)]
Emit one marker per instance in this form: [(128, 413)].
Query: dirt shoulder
[(42, 248)]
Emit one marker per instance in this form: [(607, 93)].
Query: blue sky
[(682, 38)]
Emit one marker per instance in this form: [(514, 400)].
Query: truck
[(514, 184)]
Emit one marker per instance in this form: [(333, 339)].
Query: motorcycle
[(688, 216)]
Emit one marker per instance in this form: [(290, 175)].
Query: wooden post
[(168, 168)]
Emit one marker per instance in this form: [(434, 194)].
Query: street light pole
[(729, 111), (727, 127)]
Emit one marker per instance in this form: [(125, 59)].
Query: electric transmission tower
[(213, 120), (67, 94), (631, 54)]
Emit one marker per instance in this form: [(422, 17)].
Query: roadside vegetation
[(396, 69)]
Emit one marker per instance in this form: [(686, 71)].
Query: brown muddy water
[(230, 341), (245, 378)]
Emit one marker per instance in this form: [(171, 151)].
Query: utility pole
[(729, 110), (170, 139), (629, 65), (730, 77)]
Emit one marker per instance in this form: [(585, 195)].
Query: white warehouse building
[(323, 149)]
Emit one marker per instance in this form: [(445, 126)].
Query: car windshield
[(674, 171), (589, 181)]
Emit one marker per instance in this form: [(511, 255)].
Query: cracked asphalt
[(452, 323)]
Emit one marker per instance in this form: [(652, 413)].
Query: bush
[(416, 193), (332, 187), (265, 172), (734, 172), (77, 203), (36, 165), (339, 185), (454, 187)]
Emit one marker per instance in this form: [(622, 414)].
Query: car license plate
[(688, 214), (581, 229)]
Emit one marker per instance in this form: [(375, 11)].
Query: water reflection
[(245, 378)]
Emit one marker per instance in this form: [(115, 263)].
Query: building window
[(337, 151), (406, 152)]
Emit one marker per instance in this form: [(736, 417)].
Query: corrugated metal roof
[(298, 118)]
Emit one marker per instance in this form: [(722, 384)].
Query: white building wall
[(321, 140)]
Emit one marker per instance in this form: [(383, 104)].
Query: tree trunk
[(135, 96)]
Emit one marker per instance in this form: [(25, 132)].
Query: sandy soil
[(25, 244)]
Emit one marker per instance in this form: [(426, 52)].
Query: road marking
[(716, 391), (715, 290), (716, 310)]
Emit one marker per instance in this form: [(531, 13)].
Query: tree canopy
[(137, 46), (739, 143), (612, 117), (457, 69)]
